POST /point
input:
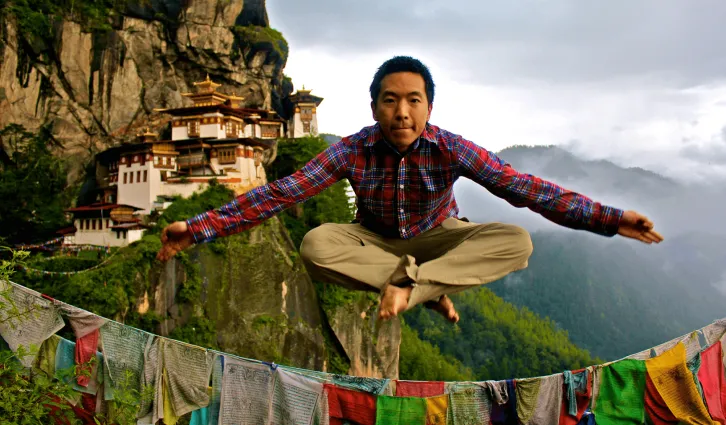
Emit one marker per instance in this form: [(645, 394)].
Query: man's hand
[(174, 239), (637, 226)]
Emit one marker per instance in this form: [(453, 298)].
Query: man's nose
[(402, 111)]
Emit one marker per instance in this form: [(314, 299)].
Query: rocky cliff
[(96, 76), (98, 86), (266, 307)]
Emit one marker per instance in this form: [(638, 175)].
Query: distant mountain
[(677, 208), (497, 340), (614, 296), (569, 170)]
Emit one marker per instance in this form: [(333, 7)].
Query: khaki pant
[(452, 257)]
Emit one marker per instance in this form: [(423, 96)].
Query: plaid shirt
[(404, 195)]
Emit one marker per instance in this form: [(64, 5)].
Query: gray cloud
[(711, 154), (676, 42)]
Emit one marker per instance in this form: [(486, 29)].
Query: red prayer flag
[(655, 406), (711, 376), (353, 407), (85, 350), (582, 400), (419, 388)]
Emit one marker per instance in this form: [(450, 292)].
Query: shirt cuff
[(201, 228), (609, 222)]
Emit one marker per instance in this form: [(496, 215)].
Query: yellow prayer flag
[(436, 408), (676, 386)]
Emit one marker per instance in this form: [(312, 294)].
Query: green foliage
[(183, 208), (329, 206), (36, 17), (108, 291), (122, 410), (262, 38), (63, 264), (598, 289), (35, 180), (498, 340), (191, 288), (198, 331), (421, 361), (31, 396), (267, 329), (334, 296)]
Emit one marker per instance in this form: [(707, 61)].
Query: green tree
[(421, 361), (330, 206), (498, 340), (33, 185)]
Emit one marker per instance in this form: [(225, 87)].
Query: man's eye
[(415, 100)]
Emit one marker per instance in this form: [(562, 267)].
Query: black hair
[(402, 64)]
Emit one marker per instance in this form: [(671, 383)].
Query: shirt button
[(401, 186), (401, 210)]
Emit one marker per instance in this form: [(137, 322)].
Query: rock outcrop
[(99, 88), (265, 307)]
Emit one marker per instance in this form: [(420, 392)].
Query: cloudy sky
[(641, 83)]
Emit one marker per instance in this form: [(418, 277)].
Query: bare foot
[(394, 301), (445, 307)]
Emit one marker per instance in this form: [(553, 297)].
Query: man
[(408, 242)]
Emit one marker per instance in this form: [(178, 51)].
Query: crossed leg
[(454, 256)]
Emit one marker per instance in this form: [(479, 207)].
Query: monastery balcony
[(194, 163)]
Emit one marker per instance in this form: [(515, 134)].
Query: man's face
[(402, 108)]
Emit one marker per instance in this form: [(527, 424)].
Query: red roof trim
[(100, 207)]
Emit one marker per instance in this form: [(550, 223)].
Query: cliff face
[(99, 88), (265, 307)]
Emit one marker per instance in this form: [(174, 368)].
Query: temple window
[(193, 128), (230, 128), (226, 156), (270, 131)]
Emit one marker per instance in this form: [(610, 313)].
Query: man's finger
[(654, 236), (164, 237)]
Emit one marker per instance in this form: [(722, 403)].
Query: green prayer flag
[(621, 399), (400, 410)]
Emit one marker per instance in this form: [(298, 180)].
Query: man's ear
[(373, 111), (431, 106)]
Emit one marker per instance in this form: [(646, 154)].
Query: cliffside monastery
[(215, 138)]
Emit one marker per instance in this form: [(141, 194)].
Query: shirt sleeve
[(553, 202), (257, 205)]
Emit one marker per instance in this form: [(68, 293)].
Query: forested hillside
[(614, 296), (498, 340)]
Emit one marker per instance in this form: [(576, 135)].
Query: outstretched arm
[(259, 204), (557, 204)]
